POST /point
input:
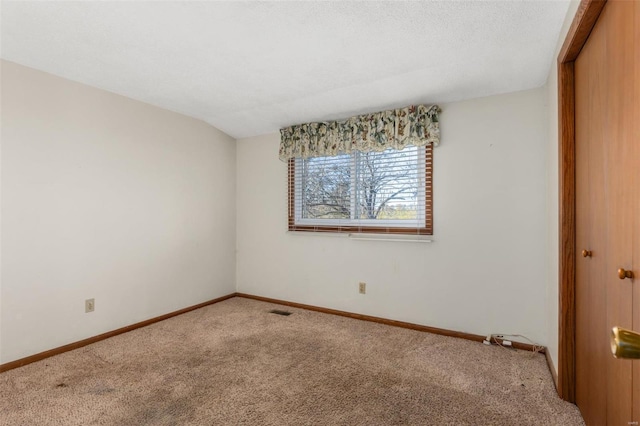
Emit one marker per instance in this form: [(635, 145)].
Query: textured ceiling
[(250, 68)]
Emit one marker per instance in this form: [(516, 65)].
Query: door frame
[(583, 22)]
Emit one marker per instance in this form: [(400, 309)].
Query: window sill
[(403, 238)]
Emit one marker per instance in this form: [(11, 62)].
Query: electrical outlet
[(89, 305), (362, 287)]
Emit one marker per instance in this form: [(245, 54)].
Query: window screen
[(379, 192)]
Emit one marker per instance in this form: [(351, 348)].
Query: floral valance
[(397, 128)]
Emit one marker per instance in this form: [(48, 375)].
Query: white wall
[(486, 271), (108, 198), (552, 192)]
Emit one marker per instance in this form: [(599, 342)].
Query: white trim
[(363, 223), (399, 238), (419, 222), (404, 238)]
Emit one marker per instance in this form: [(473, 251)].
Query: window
[(369, 192)]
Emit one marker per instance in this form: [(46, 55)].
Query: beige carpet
[(234, 363)]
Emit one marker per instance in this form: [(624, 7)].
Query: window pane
[(376, 189), (388, 184), (326, 187)]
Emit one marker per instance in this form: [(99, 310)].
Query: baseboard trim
[(401, 324), (552, 368), (76, 345), (440, 331)]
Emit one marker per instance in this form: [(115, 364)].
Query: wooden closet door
[(592, 348), (606, 211), (619, 123), (636, 206)]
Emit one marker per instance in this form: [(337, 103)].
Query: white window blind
[(381, 192)]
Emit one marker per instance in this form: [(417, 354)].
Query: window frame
[(298, 224)]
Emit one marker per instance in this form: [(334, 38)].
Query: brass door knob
[(586, 253), (622, 274), (625, 343)]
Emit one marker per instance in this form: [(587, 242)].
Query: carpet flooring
[(234, 363)]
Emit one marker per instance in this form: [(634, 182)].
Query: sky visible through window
[(374, 185)]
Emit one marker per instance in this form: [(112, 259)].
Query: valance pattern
[(397, 128)]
